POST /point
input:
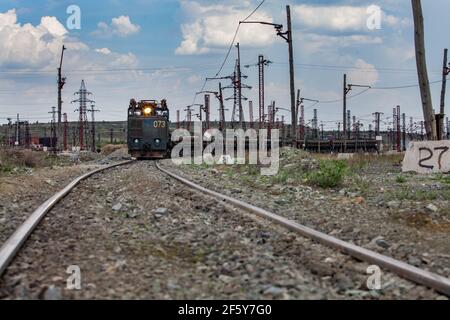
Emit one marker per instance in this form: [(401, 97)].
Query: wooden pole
[(444, 84), (292, 75), (427, 105)]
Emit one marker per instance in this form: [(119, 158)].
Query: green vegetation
[(330, 174), (444, 179), (400, 179)]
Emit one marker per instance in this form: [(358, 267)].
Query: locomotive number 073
[(159, 124)]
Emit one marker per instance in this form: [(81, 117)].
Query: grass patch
[(400, 179), (330, 174), (445, 179)]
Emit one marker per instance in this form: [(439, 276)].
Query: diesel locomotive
[(148, 129)]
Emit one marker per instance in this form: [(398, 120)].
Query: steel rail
[(12, 246), (402, 269)]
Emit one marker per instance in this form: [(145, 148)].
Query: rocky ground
[(135, 233), (405, 216), (23, 188)]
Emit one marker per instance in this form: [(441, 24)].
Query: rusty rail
[(12, 246), (402, 269)]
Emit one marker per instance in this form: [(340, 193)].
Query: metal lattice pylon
[(82, 110)]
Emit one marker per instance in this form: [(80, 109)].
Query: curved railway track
[(441, 284)]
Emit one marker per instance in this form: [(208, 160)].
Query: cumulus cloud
[(38, 47), (213, 26), (340, 18), (105, 51), (30, 45), (120, 26), (364, 73)]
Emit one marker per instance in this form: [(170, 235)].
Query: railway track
[(12, 247)]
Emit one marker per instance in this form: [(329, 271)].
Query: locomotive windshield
[(148, 108)]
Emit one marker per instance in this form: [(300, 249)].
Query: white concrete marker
[(427, 157)]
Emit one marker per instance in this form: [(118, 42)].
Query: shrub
[(400, 179), (330, 174), (110, 148)]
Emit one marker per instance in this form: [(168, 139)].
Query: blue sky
[(164, 49)]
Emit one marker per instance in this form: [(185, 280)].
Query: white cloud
[(213, 26), (38, 47), (120, 26), (8, 18), (315, 43), (53, 26), (30, 45), (364, 73), (104, 51), (340, 18)]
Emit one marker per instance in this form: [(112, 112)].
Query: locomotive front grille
[(136, 129)]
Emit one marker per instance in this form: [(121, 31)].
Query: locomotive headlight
[(157, 141), (147, 111), (136, 141)]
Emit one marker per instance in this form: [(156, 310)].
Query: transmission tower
[(82, 110)]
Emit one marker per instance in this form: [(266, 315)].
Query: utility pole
[(399, 137), (377, 123), (315, 125), (222, 109), (53, 130), (239, 88), (445, 73), (17, 143), (428, 112), (404, 131), (93, 111), (349, 125), (178, 119), (61, 83), (250, 110), (65, 131), (346, 89), (291, 72), (8, 129), (394, 128), (261, 64), (344, 121), (207, 110), (219, 96), (189, 117), (289, 39)]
